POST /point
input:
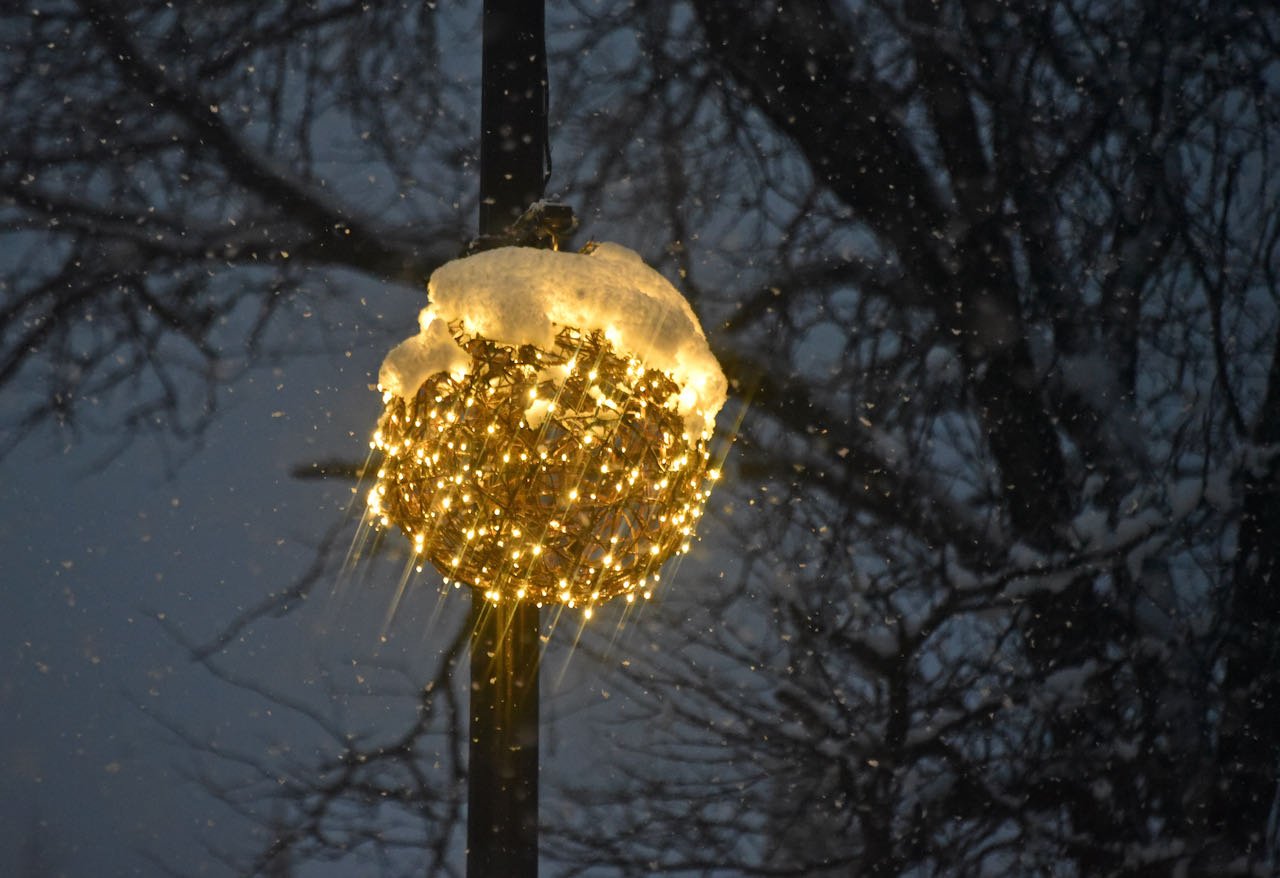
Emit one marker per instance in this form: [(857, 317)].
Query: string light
[(561, 475)]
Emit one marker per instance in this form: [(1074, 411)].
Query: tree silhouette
[(168, 191), (998, 280), (1019, 617)]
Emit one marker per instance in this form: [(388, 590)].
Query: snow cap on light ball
[(545, 434)]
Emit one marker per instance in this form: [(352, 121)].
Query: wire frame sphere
[(561, 475)]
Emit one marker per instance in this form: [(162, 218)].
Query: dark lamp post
[(502, 772)]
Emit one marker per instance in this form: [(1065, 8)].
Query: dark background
[(989, 586)]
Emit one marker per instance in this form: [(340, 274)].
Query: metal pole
[(502, 795), (502, 810), (513, 111)]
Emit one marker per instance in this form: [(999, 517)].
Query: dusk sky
[(102, 556)]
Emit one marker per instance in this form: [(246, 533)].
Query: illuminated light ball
[(545, 436)]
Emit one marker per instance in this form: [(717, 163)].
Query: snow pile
[(432, 350), (520, 295)]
